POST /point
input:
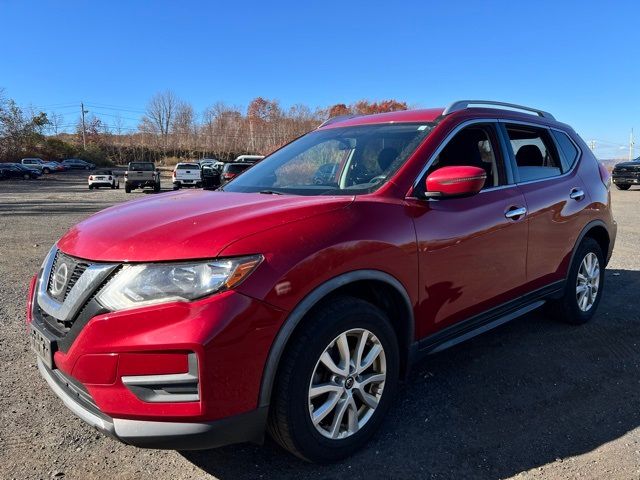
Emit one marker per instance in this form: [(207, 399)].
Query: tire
[(118, 186), (156, 188), (567, 309), (26, 176), (623, 186), (87, 168), (176, 186), (90, 187), (113, 187), (46, 170), (290, 423), (127, 188)]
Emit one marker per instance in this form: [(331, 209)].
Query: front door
[(472, 251)]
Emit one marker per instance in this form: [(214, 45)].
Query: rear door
[(555, 197), (472, 251)]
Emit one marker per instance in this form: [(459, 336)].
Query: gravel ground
[(532, 399)]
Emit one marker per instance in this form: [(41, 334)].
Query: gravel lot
[(532, 399)]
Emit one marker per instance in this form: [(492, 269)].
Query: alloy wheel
[(347, 383), (588, 282)]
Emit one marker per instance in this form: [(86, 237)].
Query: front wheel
[(127, 188), (623, 186), (336, 381), (46, 170), (583, 289)]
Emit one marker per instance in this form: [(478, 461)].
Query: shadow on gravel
[(527, 394)]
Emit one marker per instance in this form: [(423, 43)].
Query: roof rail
[(339, 118), (463, 104)]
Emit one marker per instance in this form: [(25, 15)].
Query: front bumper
[(246, 427), (626, 179)]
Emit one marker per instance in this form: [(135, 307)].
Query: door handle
[(576, 194), (515, 212)]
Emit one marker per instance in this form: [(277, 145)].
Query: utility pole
[(84, 140), (631, 144)]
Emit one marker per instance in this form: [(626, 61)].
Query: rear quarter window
[(568, 152)]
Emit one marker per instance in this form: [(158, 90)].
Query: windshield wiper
[(270, 192)]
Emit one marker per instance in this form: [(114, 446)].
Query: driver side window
[(473, 146)]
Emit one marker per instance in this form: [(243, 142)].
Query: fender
[(583, 233), (298, 313)]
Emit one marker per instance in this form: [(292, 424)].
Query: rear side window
[(568, 151), (535, 153), (144, 167)]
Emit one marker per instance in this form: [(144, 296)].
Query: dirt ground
[(532, 399)]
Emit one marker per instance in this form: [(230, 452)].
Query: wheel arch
[(375, 286), (597, 230)]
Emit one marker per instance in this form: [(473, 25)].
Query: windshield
[(144, 167), (335, 161)]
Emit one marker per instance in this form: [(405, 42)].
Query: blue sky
[(578, 60)]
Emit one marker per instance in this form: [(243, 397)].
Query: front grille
[(56, 326), (76, 269), (75, 275)]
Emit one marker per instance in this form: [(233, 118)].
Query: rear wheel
[(26, 176), (127, 188), (156, 187), (583, 289), (336, 381), (623, 186), (90, 187), (46, 170)]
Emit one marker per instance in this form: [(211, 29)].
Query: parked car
[(248, 158), (186, 175), (193, 320), (141, 175), (231, 170), (41, 165), (626, 174), (205, 161), (211, 174), (77, 164), (59, 167), (103, 178), (17, 170)]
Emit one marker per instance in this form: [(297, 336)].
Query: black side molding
[(483, 322)]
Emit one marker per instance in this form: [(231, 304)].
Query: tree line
[(169, 130)]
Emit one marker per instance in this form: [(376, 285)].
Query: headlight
[(153, 283)]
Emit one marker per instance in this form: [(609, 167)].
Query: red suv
[(293, 300)]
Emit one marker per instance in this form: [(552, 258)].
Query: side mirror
[(460, 181)]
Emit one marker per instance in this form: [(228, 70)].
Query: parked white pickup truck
[(186, 175)]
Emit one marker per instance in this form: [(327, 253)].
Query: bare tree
[(55, 122), (159, 115)]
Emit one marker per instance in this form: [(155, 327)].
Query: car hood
[(186, 225), (628, 164)]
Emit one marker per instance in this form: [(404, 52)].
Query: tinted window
[(535, 153), (144, 167), (189, 166), (568, 151), (235, 168), (473, 146)]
